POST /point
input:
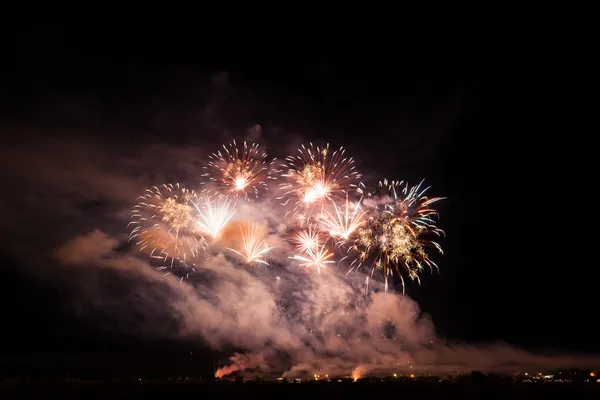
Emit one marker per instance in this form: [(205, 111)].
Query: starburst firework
[(392, 238), (162, 222), (315, 175), (240, 171), (307, 239)]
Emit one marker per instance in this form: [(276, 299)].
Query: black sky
[(490, 120)]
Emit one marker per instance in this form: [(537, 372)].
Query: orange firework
[(163, 225), (315, 175), (254, 248), (239, 171)]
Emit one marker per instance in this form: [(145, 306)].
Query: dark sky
[(491, 120)]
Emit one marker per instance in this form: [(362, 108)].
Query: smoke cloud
[(289, 321)]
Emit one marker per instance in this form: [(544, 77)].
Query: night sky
[(496, 130)]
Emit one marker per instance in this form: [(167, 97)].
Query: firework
[(212, 214), (344, 221), (316, 175), (392, 238), (254, 248), (317, 257), (239, 172), (162, 222), (388, 231), (308, 239)]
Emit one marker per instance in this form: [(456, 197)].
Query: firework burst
[(162, 222), (308, 239), (239, 171), (212, 214), (344, 221), (315, 175), (318, 257), (392, 239), (254, 248)]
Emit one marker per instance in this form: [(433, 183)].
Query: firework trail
[(315, 175), (239, 172), (212, 214), (344, 221), (317, 258), (162, 222), (254, 248), (392, 238)]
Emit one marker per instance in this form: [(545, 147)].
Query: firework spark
[(212, 214), (240, 171), (162, 224), (392, 239), (316, 175), (254, 248), (318, 258), (344, 221), (308, 239)]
